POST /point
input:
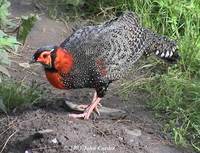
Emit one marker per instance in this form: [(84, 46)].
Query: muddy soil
[(46, 128)]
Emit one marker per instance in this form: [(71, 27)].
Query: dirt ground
[(128, 127)]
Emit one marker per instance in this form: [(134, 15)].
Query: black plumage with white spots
[(104, 53)]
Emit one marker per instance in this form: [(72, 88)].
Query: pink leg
[(88, 108), (83, 107), (92, 107)]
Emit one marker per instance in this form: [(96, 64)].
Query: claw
[(77, 115), (88, 109), (84, 115), (96, 110), (83, 107)]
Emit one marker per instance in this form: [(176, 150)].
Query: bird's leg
[(83, 107), (88, 110), (92, 107), (86, 114)]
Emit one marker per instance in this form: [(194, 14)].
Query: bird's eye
[(45, 56)]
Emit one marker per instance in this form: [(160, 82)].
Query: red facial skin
[(45, 58)]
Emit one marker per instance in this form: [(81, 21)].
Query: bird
[(96, 56)]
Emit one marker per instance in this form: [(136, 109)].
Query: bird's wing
[(115, 45)]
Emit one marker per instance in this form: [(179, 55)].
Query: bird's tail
[(162, 47)]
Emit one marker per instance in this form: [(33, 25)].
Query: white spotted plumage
[(119, 43), (167, 54), (157, 52), (162, 55)]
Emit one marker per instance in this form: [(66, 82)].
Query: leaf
[(4, 71), (4, 57), (4, 5), (27, 23), (8, 42), (2, 106)]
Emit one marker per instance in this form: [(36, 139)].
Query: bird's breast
[(55, 79)]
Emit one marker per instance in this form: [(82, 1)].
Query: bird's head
[(53, 58), (44, 56)]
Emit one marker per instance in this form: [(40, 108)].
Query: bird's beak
[(32, 61)]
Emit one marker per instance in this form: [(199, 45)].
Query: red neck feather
[(64, 61)]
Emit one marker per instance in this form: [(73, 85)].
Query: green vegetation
[(71, 9), (26, 25), (175, 94), (4, 4), (15, 94), (7, 43), (12, 94)]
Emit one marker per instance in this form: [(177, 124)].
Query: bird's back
[(111, 48)]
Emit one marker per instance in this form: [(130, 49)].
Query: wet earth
[(125, 126)]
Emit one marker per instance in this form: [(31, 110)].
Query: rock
[(28, 151), (55, 141), (45, 131), (24, 65), (102, 110), (134, 132)]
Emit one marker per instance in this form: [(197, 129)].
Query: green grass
[(73, 9), (16, 94), (176, 99), (175, 95)]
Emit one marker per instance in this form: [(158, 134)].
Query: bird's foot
[(88, 110), (82, 115), (85, 115), (84, 107)]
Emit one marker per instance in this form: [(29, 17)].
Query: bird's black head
[(45, 56)]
